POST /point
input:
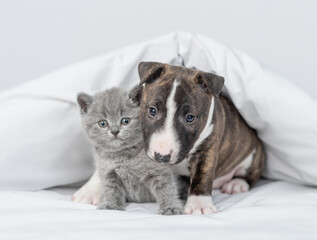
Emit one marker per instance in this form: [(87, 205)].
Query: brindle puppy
[(187, 123)]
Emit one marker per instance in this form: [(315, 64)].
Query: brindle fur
[(231, 141)]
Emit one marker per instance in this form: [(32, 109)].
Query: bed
[(47, 153), (271, 210)]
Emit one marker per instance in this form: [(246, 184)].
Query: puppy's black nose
[(162, 159), (115, 133)]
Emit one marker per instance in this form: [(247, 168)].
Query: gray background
[(40, 36)]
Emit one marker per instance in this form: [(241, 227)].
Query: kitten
[(111, 121)]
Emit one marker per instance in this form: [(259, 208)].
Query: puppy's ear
[(84, 101), (150, 71), (212, 83), (135, 94)]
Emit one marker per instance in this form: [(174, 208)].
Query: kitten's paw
[(87, 197), (110, 206), (199, 205), (236, 185), (171, 211), (90, 193)]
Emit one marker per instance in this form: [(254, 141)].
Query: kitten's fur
[(127, 174)]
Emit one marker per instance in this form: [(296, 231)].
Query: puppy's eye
[(125, 121), (190, 118), (103, 123), (152, 111)]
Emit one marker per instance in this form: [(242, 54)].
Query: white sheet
[(272, 210)]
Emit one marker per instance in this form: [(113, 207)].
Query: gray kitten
[(111, 121)]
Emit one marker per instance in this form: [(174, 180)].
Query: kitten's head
[(111, 119)]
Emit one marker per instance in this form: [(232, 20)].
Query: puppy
[(189, 125)]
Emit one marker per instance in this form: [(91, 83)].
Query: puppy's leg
[(113, 192), (165, 191), (202, 172), (91, 192)]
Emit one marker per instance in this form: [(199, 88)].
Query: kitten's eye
[(103, 123), (125, 121), (152, 111), (190, 118)]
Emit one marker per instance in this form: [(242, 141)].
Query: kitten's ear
[(84, 101), (135, 94)]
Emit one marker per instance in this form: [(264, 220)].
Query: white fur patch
[(207, 129), (90, 193), (165, 141), (199, 205)]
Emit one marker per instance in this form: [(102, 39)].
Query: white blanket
[(272, 210), (42, 144)]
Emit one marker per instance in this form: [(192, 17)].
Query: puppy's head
[(176, 109)]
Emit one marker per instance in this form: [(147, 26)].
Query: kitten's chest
[(126, 169), (136, 189), (126, 173)]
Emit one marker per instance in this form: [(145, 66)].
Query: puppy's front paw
[(171, 211), (110, 206), (200, 205)]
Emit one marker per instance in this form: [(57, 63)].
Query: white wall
[(39, 36)]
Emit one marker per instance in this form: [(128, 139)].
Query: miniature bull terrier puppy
[(189, 125)]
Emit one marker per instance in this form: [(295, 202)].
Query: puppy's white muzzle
[(163, 148)]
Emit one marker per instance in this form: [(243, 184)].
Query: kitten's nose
[(115, 132)]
